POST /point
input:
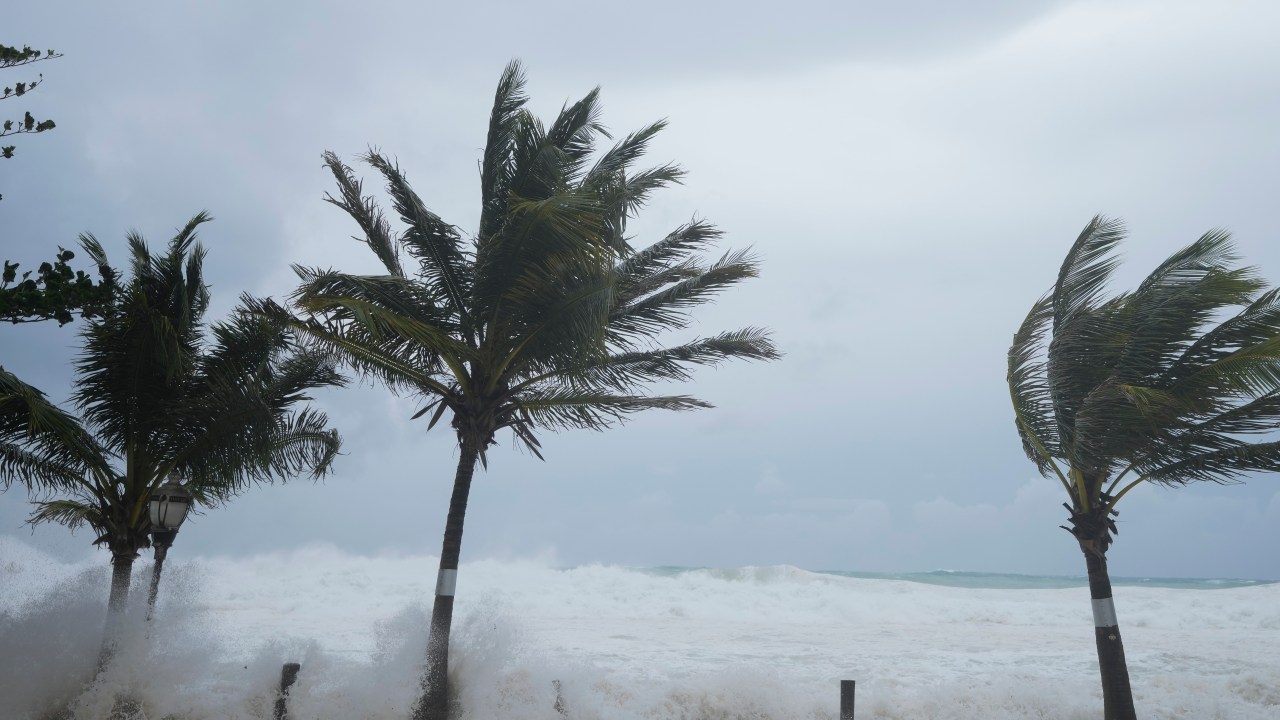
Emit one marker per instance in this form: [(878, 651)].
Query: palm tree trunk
[(434, 701), (121, 572), (161, 551), (1117, 696)]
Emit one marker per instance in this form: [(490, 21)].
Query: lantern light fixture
[(170, 504)]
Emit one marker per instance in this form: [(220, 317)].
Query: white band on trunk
[(446, 582), (1104, 613)]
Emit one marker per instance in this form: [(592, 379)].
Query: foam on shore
[(761, 643)]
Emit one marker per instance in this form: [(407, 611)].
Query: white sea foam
[(759, 643)]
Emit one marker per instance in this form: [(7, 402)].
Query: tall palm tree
[(1152, 385), (544, 319), (161, 403)]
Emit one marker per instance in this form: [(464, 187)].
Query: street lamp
[(169, 506)]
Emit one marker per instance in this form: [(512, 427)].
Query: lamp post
[(169, 506)]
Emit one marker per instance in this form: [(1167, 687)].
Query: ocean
[(758, 643)]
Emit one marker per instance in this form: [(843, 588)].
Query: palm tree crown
[(161, 403), (547, 318), (1152, 383)]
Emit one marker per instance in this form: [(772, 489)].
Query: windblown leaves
[(1163, 381), (164, 397), (546, 319)]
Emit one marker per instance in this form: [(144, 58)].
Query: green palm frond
[(496, 168), (573, 135), (392, 360), (1220, 466), (1250, 370), (364, 210), (436, 244), (74, 514), (1176, 301), (1029, 388), (1162, 381), (1086, 269), (36, 469), (42, 446), (577, 409), (627, 372), (618, 159), (384, 326), (1257, 323), (669, 305)]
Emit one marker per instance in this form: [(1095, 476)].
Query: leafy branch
[(56, 291), (11, 57)]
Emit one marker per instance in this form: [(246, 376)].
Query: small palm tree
[(1155, 385), (160, 403), (545, 319)]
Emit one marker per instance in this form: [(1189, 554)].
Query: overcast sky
[(911, 174)]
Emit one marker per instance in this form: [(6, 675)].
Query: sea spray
[(768, 643)]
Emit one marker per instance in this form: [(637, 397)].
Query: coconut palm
[(163, 403), (545, 319), (1159, 385)]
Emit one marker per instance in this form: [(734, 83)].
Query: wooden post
[(846, 699), (288, 675), (559, 706)]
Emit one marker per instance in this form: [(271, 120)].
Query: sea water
[(626, 643)]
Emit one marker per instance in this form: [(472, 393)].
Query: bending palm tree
[(1145, 386), (163, 405), (546, 321)]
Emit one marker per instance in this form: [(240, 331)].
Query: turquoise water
[(1006, 581)]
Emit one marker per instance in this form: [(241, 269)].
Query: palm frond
[(1258, 322), (1029, 388), (569, 409), (74, 514), (1224, 465), (574, 133), (1174, 303), (1086, 269), (617, 159), (41, 445), (364, 210), (669, 307), (628, 372), (496, 167), (354, 349), (436, 244)]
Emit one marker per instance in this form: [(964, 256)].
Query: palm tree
[(545, 319), (161, 403), (1152, 385)]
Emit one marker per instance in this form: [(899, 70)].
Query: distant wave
[(960, 578)]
